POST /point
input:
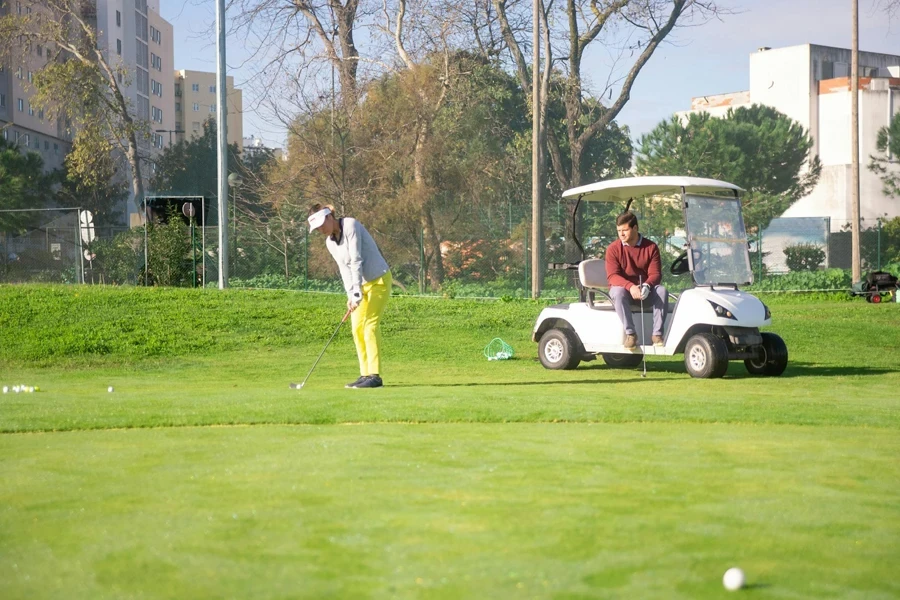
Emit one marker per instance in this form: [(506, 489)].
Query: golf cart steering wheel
[(680, 264)]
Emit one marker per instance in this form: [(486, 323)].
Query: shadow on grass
[(794, 369), (635, 377)]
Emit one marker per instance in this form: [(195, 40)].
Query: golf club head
[(297, 386)]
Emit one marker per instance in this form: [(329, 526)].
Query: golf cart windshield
[(717, 241)]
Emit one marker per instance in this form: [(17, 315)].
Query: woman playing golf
[(367, 280)]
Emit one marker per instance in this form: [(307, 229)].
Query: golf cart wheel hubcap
[(554, 351), (697, 358), (761, 359)]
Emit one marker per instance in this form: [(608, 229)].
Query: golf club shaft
[(643, 354), (347, 314)]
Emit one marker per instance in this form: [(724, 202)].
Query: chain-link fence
[(483, 252)]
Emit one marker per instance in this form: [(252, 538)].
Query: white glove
[(645, 291)]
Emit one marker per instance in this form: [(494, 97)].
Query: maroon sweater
[(624, 264)]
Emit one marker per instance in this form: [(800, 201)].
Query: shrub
[(804, 257)]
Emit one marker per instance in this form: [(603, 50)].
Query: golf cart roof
[(620, 190)]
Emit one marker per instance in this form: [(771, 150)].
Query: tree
[(78, 84), (91, 180), (885, 165), (758, 148), (644, 23), (23, 184), (189, 168)]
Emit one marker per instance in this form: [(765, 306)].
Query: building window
[(195, 87), (155, 35), (30, 110), (118, 19), (21, 105), (196, 106), (2, 100), (212, 108), (46, 145), (19, 73), (41, 114), (26, 140), (212, 89), (30, 77), (40, 50), (119, 47), (55, 147), (178, 107), (157, 115)]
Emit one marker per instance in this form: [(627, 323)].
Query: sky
[(710, 59)]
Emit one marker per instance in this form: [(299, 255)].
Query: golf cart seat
[(592, 276)]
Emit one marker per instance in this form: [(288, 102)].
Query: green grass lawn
[(203, 475)]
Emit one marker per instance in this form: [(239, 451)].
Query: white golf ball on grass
[(110, 389), (5, 389), (733, 579)]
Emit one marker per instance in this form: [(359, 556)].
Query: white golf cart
[(711, 323)]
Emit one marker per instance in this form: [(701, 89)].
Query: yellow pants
[(366, 321)]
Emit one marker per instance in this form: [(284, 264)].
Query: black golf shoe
[(372, 381), (357, 383)]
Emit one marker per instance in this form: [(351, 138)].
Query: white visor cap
[(316, 220)]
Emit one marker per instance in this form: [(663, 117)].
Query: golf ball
[(31, 389), (733, 579), (109, 389), (5, 389), (16, 389)]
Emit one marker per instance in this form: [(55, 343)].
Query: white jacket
[(357, 256)]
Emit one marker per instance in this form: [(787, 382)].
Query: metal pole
[(146, 247), (203, 242), (878, 245), (421, 261), (306, 261), (536, 207), (193, 255), (80, 244), (222, 138), (854, 145)]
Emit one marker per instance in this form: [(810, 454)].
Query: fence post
[(759, 253), (527, 268), (422, 261), (306, 261), (878, 245)]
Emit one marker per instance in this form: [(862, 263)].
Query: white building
[(811, 84), (253, 145), (134, 35)]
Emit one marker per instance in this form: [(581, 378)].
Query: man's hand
[(635, 291)]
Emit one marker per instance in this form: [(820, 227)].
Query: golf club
[(299, 386), (643, 354)]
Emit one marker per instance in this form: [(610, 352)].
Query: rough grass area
[(203, 475)]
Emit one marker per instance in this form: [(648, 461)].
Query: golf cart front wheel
[(622, 361), (771, 359), (706, 356), (560, 349)]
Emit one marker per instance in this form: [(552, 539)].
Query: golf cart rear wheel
[(560, 349), (622, 361), (772, 357), (706, 356)]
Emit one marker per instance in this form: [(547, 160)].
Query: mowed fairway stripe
[(640, 510)]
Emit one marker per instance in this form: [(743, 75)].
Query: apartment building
[(811, 84), (20, 121), (195, 102), (133, 36)]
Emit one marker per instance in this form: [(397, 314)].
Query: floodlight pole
[(537, 225), (854, 147), (222, 139)]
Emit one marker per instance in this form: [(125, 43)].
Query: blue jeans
[(622, 301)]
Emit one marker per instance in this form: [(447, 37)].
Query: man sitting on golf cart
[(634, 272)]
